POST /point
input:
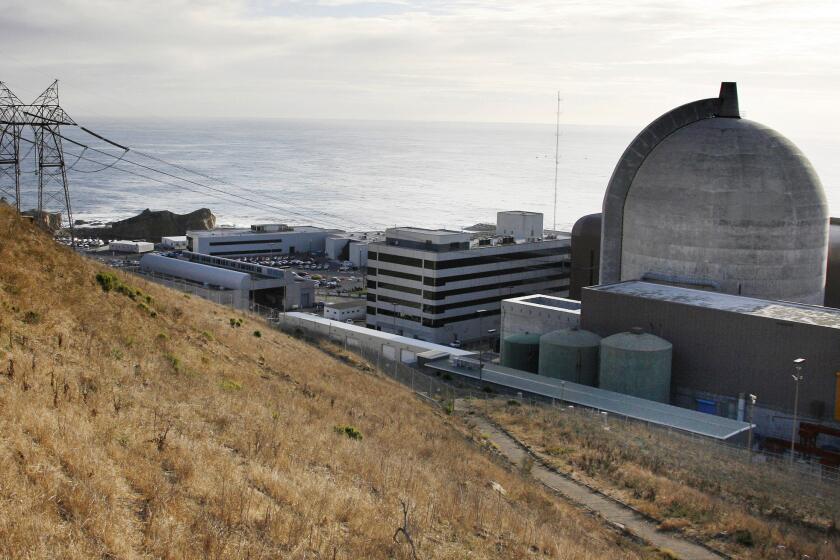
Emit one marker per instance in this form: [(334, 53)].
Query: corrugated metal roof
[(691, 421)]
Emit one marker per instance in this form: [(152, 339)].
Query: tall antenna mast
[(556, 159)]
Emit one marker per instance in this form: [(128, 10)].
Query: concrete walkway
[(610, 510)]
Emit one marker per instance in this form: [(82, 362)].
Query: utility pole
[(797, 377)]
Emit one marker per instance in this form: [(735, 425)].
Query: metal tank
[(521, 351), (570, 355), (636, 363)]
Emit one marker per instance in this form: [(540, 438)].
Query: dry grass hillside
[(709, 492), (136, 422)]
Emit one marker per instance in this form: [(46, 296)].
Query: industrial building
[(131, 246), (232, 282), (351, 247), (726, 347), (345, 310), (443, 286), (704, 198), (175, 243), (586, 254), (259, 240), (538, 314)]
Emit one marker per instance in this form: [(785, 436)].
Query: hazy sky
[(463, 60)]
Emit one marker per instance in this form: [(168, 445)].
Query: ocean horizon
[(358, 175)]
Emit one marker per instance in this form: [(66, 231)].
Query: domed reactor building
[(705, 199)]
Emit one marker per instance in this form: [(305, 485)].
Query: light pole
[(797, 377), (750, 435)]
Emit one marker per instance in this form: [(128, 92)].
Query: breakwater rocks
[(151, 225)]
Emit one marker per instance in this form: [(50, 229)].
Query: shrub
[(207, 335), (230, 385), (108, 281), (349, 431), (744, 537), (258, 334), (513, 403), (31, 317), (174, 362)]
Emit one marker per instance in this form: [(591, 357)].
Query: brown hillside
[(145, 426)]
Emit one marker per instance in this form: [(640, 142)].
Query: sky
[(613, 62)]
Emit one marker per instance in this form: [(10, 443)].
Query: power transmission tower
[(46, 116), (11, 123)]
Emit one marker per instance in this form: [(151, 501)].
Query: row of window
[(468, 261), (373, 285), (434, 323), (245, 242), (439, 309)]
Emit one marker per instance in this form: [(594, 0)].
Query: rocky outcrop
[(48, 220), (152, 225)]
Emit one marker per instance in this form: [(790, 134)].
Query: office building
[(442, 286)]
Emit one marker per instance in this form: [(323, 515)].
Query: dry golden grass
[(152, 428), (693, 487)]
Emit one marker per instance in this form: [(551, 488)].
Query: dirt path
[(610, 510)]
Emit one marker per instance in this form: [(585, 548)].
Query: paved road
[(609, 510)]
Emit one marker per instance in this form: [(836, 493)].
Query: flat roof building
[(727, 346), (432, 284), (242, 284), (259, 240)]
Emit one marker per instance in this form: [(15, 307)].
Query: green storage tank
[(636, 363), (570, 355), (521, 351)]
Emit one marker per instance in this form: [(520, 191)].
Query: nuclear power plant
[(702, 280)]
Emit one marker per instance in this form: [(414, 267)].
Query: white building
[(178, 242), (345, 310), (131, 246), (348, 248), (519, 224), (439, 286), (232, 282), (259, 240)]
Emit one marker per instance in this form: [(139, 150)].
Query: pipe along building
[(702, 281)]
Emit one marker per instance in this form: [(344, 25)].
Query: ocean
[(360, 175)]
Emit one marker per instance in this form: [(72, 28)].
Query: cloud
[(614, 62)]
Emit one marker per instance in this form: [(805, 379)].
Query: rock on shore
[(152, 225)]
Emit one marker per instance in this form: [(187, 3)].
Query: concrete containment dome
[(636, 363), (703, 198), (570, 355)]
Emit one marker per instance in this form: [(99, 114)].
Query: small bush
[(349, 431), (258, 334), (744, 537), (207, 335), (31, 317), (108, 281), (234, 322), (513, 403), (230, 385), (174, 362)]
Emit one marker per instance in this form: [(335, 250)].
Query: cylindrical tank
[(571, 355), (586, 254), (521, 351), (636, 363)]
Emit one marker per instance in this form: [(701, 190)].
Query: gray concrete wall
[(523, 318)]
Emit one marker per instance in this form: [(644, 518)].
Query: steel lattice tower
[(11, 124), (45, 116)]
